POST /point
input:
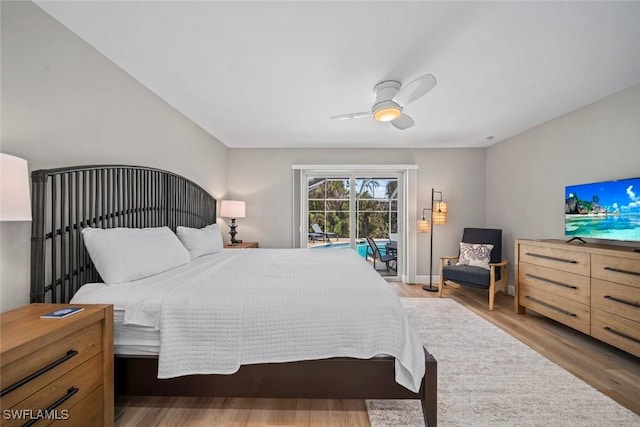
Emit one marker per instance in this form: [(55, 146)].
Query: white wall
[(527, 174), (524, 187), (263, 178), (63, 104)]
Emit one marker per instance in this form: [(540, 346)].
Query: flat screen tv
[(603, 210)]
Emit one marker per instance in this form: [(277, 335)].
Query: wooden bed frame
[(65, 200)]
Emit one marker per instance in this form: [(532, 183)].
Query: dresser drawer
[(617, 331), (616, 269), (57, 397), (54, 360), (563, 310), (615, 298), (558, 259), (568, 285)]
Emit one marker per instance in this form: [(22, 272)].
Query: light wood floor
[(612, 371)]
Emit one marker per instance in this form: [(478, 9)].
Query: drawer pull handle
[(39, 372), (553, 282), (70, 392), (619, 270), (552, 258), (559, 310), (620, 334), (621, 301)]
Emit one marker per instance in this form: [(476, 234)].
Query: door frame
[(407, 199)]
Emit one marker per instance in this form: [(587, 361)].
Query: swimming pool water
[(361, 248)]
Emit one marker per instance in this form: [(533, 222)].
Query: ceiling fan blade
[(351, 115), (415, 89), (403, 122)]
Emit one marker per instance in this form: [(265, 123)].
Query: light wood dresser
[(590, 287), (57, 371)]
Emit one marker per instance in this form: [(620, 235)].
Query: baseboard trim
[(424, 280)]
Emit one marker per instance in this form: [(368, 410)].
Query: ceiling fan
[(391, 98)]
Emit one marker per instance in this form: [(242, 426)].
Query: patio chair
[(392, 244), (327, 235), (388, 259), (316, 236)]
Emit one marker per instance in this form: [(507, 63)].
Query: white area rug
[(488, 378)]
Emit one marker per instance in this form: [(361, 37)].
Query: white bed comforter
[(268, 305)]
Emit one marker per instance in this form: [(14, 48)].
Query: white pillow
[(201, 241), (475, 255), (125, 254)]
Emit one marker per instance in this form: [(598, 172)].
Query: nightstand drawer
[(87, 412), (56, 398), (49, 362), (44, 361)]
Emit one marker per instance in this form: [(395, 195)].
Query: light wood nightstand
[(60, 367), (243, 245)]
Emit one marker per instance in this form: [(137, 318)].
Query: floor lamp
[(438, 215)]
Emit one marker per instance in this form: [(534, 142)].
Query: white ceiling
[(269, 74)]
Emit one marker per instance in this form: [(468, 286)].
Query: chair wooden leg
[(504, 282), (492, 296), (492, 288)]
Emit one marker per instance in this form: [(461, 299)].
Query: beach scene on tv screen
[(603, 210)]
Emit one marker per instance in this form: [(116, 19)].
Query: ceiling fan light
[(387, 114)]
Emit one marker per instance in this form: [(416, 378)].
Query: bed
[(68, 200)]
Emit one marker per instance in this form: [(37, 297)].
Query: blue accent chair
[(478, 277)]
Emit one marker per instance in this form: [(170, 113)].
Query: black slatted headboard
[(66, 200)]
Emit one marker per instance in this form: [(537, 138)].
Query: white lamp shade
[(15, 199), (232, 209)]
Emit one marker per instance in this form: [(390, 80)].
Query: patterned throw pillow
[(475, 255)]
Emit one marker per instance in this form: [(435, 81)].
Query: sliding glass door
[(376, 207), (341, 210), (328, 208)]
